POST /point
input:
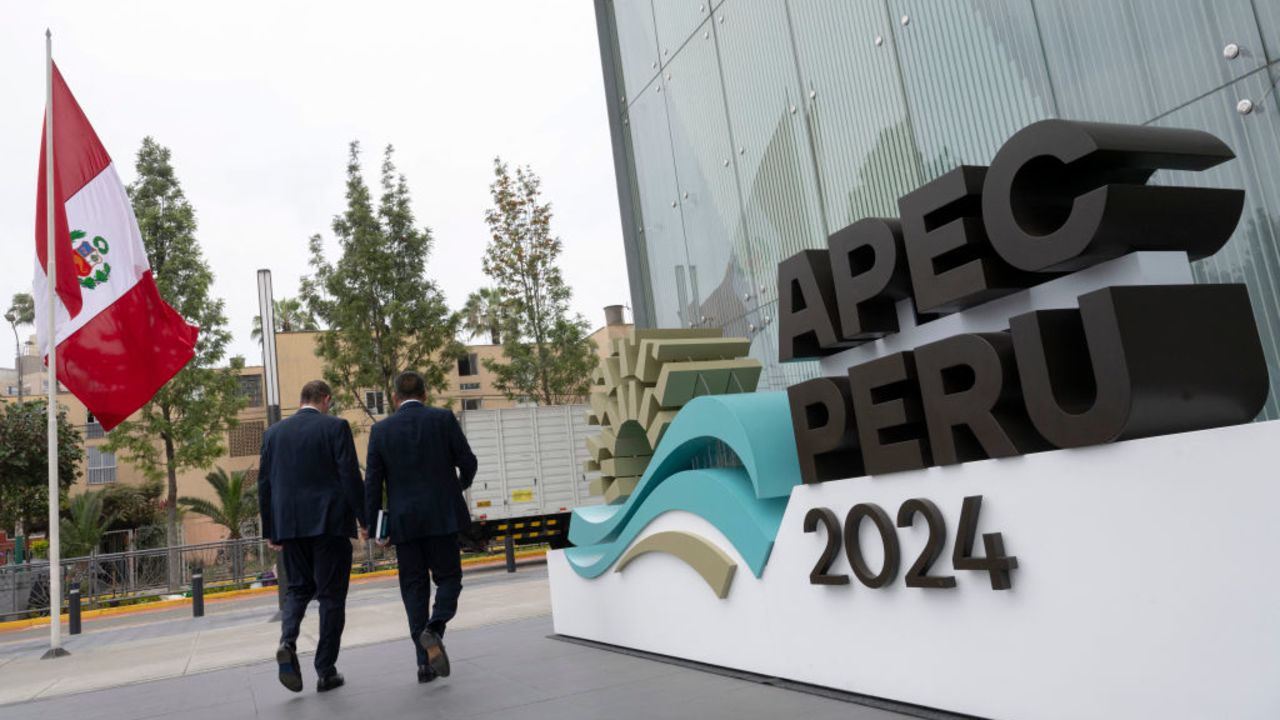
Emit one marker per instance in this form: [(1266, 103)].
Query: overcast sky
[(258, 101)]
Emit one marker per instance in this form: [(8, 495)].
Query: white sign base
[(1147, 586)]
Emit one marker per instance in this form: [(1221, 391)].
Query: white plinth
[(1148, 586)]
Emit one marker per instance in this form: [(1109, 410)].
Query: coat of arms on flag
[(89, 259)]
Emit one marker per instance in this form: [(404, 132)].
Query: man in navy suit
[(310, 495), (422, 458)]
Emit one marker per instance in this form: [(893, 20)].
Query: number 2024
[(996, 563)]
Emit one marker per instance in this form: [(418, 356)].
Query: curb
[(356, 579)]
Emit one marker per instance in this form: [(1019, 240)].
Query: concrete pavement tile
[(135, 663), (16, 692)]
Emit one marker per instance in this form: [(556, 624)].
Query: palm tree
[(483, 313), (83, 530), (236, 504), (21, 312), (291, 316)]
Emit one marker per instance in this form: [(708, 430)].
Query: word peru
[(1128, 362)]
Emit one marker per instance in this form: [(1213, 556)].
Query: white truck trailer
[(530, 473)]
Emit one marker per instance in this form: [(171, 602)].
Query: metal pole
[(270, 371), (51, 284), (511, 550)]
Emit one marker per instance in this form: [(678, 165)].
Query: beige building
[(470, 387)]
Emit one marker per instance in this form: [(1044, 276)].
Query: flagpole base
[(53, 653)]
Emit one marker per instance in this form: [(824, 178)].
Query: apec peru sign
[(946, 517)]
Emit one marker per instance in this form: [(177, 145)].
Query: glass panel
[(637, 44), (704, 157), (1131, 61), (776, 172), (1268, 17), (661, 231), (676, 21), (974, 73), (1253, 254), (853, 109)]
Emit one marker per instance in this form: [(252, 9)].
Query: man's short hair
[(411, 386), (315, 391)]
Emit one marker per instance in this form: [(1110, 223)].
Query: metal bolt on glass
[(813, 94), (906, 19), (705, 34), (793, 109), (879, 40), (1231, 51), (726, 163), (1245, 106), (721, 19), (742, 151)]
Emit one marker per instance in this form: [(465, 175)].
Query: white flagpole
[(51, 276)]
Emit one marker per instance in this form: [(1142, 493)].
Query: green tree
[(185, 424), (548, 355), (291, 316), (134, 506), (22, 311), (83, 527), (382, 314), (483, 314), (24, 463), (236, 505)]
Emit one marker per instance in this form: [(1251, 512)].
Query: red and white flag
[(118, 341)]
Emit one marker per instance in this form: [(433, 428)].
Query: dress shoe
[(290, 671), (329, 682), (426, 674), (437, 658)]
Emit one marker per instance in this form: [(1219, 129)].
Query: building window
[(373, 402), (251, 389), (245, 439), (102, 466), (93, 428), (471, 404), (469, 364), (470, 386)]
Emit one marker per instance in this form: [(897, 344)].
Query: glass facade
[(747, 130)]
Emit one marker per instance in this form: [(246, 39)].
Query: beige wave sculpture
[(637, 390)]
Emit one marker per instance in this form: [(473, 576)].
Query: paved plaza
[(505, 661)]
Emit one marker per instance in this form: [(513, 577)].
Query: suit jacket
[(308, 478), (422, 458)]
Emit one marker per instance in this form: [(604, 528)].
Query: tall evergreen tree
[(24, 463), (185, 424), (548, 354), (383, 314)]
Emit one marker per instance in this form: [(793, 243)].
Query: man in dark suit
[(310, 496), (425, 463)]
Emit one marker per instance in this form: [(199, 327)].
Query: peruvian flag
[(118, 341)]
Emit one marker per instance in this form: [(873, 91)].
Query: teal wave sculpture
[(722, 496), (745, 503)]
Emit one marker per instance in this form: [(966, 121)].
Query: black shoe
[(437, 658), (329, 682), (290, 671), (426, 674)]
